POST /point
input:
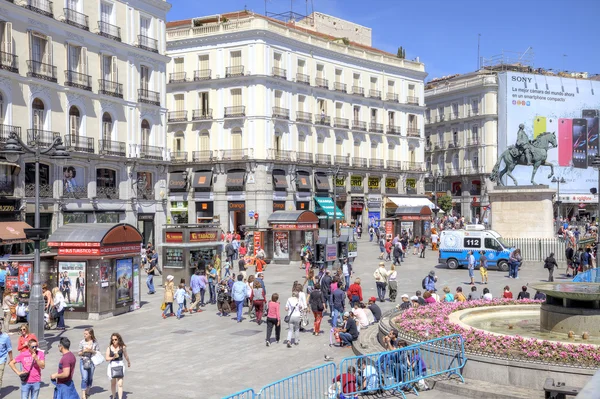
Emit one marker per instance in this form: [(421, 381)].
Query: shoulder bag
[(116, 369), (287, 316), (25, 376)]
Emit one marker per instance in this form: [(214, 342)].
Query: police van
[(456, 244)]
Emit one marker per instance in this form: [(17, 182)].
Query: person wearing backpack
[(429, 281), (381, 275)]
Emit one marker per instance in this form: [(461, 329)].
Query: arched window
[(145, 139), (37, 114), (107, 127), (74, 121), (236, 139)]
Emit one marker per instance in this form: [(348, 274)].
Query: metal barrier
[(245, 394), (588, 276), (538, 249), (310, 384)]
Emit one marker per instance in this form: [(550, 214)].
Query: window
[(455, 138), (357, 149), (322, 106), (301, 66), (30, 174), (203, 102), (441, 163), (440, 137), (301, 100), (475, 133), (374, 84), (428, 114), (73, 5), (320, 71), (320, 145), (178, 142), (109, 68), (178, 65), (106, 13), (491, 243), (204, 62), (278, 95), (179, 100), (412, 156), (356, 79), (338, 110), (277, 60), (391, 89), (77, 61), (373, 115), (40, 49), (106, 178), (277, 141), (411, 90), (455, 110), (236, 97), (440, 113), (455, 162), (74, 121), (145, 26), (475, 161), (475, 106), (37, 114), (235, 58), (236, 139), (412, 121), (391, 151), (338, 76), (144, 77), (356, 113), (107, 126), (391, 118), (6, 37), (204, 141), (339, 146), (145, 139), (373, 150)]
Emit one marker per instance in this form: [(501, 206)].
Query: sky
[(561, 34)]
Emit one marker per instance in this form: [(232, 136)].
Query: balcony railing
[(393, 130), (79, 80), (202, 114), (43, 138), (178, 156), (391, 97), (452, 144), (452, 172), (239, 111), (473, 141), (323, 120), (146, 193), (412, 100), (395, 165), (413, 166), (78, 143), (109, 31), (149, 97), (439, 146), (339, 86), (77, 19), (177, 116), (358, 90), (202, 156), (5, 131), (472, 170), (9, 62), (237, 155), (109, 88), (304, 157), (43, 7), (107, 192), (320, 82), (233, 71), (151, 152), (279, 73), (41, 71), (323, 159), (343, 160), (376, 163), (375, 93), (110, 147), (359, 162), (281, 113), (359, 125), (305, 117), (202, 74), (341, 123), (302, 78), (280, 155), (376, 127), (472, 112), (45, 190), (177, 77), (147, 43), (7, 187), (413, 132)]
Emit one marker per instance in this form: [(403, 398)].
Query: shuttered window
[(236, 58), (179, 102), (236, 97)]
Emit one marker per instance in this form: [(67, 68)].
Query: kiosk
[(290, 231), (415, 219)]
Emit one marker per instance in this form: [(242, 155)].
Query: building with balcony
[(281, 99), (461, 134), (93, 74)]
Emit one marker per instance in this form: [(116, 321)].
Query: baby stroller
[(46, 321)]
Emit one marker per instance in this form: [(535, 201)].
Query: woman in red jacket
[(25, 337), (355, 293)]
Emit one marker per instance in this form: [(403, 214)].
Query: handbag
[(117, 370), (97, 358), (163, 306), (86, 362), (287, 316)]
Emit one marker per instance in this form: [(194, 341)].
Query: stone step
[(482, 389), (367, 341)]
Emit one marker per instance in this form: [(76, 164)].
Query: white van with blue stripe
[(456, 244)]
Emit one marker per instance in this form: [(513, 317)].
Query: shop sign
[(8, 206), (415, 217), (391, 183), (330, 252), (299, 226), (281, 241), (112, 250), (411, 185), (374, 183), (278, 206), (73, 244), (340, 182), (237, 206), (203, 236), (147, 217), (356, 184), (302, 205), (174, 236)]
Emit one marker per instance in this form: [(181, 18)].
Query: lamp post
[(335, 174), (558, 183), (13, 149), (436, 177)]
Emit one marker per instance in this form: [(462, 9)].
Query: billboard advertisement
[(281, 241), (71, 283), (124, 281), (553, 110)]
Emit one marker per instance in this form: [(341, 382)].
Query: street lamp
[(13, 149), (334, 174), (558, 183), (435, 178)]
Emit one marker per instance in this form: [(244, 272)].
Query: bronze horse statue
[(513, 157)]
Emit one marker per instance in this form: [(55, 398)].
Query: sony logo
[(521, 79)]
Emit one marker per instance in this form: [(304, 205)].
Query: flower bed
[(428, 322)]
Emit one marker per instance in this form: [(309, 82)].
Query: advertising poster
[(408, 227), (330, 252), (374, 216), (352, 249), (146, 178), (124, 282), (309, 238), (25, 276), (389, 229), (560, 124), (11, 282), (136, 284), (281, 245), (257, 241), (71, 283), (73, 179)]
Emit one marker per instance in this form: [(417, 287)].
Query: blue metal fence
[(589, 276), (245, 394), (310, 384)]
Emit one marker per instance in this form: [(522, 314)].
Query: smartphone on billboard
[(565, 141), (580, 143), (589, 113), (539, 126), (592, 138)]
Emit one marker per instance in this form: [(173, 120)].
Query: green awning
[(327, 206)]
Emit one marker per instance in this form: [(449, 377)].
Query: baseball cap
[(404, 296), (414, 298), (346, 314), (372, 299)]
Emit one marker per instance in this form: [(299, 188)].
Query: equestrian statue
[(527, 153)]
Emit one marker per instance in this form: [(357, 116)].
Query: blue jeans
[(380, 290), (168, 309), (514, 270), (347, 279), (346, 338), (240, 307), (336, 314), (61, 319), (150, 284), (30, 391), (180, 309), (212, 291), (227, 271), (87, 376)]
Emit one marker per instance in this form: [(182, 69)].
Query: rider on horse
[(523, 144)]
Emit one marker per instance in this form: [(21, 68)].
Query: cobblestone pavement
[(206, 356)]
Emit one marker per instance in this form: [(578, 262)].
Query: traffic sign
[(251, 214), (256, 216)]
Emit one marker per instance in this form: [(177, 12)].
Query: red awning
[(13, 232)]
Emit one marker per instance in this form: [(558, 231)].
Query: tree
[(401, 52), (445, 203)]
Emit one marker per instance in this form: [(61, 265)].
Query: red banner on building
[(203, 236), (174, 236), (257, 241), (112, 250)]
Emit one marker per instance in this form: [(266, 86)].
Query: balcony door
[(236, 139), (179, 102), (203, 100), (145, 27), (106, 12), (145, 133), (74, 121), (144, 77), (40, 48), (6, 40), (107, 127), (235, 59), (37, 114), (236, 97)]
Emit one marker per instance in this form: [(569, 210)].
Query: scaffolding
[(510, 61), (291, 16)]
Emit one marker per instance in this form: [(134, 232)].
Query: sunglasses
[(115, 339), (33, 347)]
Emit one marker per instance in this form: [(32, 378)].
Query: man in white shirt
[(381, 275)]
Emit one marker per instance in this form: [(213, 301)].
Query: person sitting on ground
[(370, 317), (448, 297), (374, 308), (486, 294), (429, 299), (473, 296), (390, 341), (414, 301), (349, 332), (523, 294), (507, 294), (360, 316), (405, 302), (459, 297), (368, 377), (420, 298), (539, 296)]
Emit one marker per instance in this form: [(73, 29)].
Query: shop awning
[(303, 181), (321, 182), (293, 217), (327, 206), (202, 179), (13, 232), (176, 181), (411, 201), (235, 179), (96, 239), (413, 213), (279, 179)]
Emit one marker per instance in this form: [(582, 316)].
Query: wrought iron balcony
[(76, 19), (41, 71), (393, 130), (439, 146), (147, 43), (239, 111), (79, 80), (151, 152), (473, 141), (376, 163), (107, 192), (358, 90), (473, 170), (359, 125), (110, 147), (75, 191), (5, 131), (394, 165), (341, 123), (305, 117), (473, 112), (202, 156), (413, 132), (302, 78), (323, 159), (146, 193), (413, 166), (359, 162), (109, 88), (78, 143), (375, 93), (391, 97), (177, 116), (322, 120), (281, 113), (412, 100), (177, 77), (320, 82), (237, 155), (279, 73), (376, 127), (149, 97), (9, 62), (45, 190), (280, 155), (452, 144), (43, 7), (342, 160), (202, 74), (304, 157), (339, 86), (7, 187), (234, 71), (109, 31), (202, 114), (43, 138), (452, 172), (178, 156)]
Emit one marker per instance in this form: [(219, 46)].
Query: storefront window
[(204, 211), (174, 257), (106, 183), (78, 218), (108, 217), (179, 211)]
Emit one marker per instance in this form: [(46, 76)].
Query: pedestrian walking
[(87, 348), (325, 284), (198, 284), (151, 272), (59, 305), (223, 299), (8, 303), (483, 267), (393, 283), (550, 264), (257, 298), (423, 246), (212, 283), (471, 267), (294, 310), (273, 319), (180, 296), (381, 247), (217, 266), (514, 262), (32, 362), (63, 378), (116, 355), (381, 275), (347, 271), (317, 305), (338, 299), (6, 354), (388, 250), (239, 293), (168, 297)]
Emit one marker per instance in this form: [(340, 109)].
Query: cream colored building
[(93, 74), (281, 101)]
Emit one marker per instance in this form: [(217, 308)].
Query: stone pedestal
[(522, 211)]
